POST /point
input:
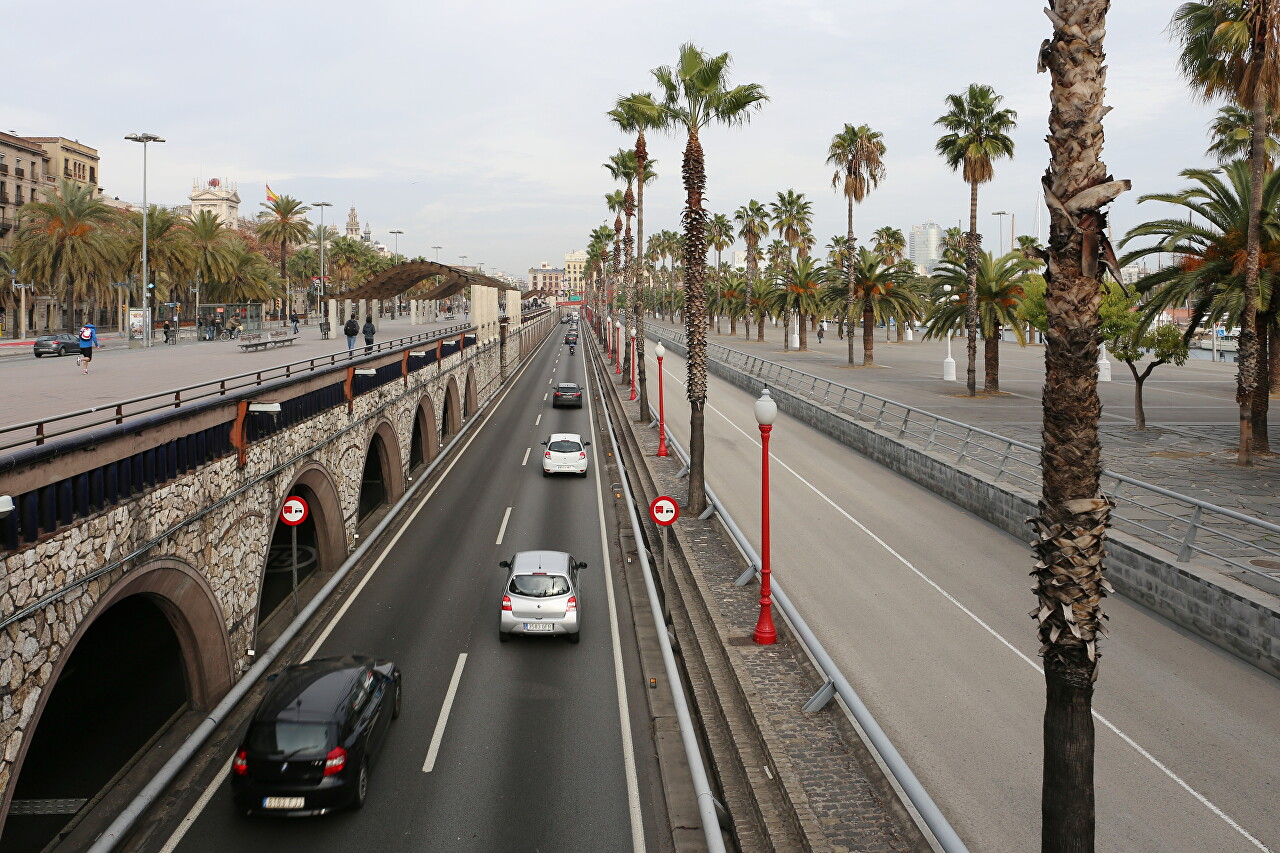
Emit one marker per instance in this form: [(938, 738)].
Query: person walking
[(351, 328), (369, 331), (88, 340), (822, 329), (200, 328), (293, 318), (168, 330)]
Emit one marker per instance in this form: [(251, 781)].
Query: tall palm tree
[(1000, 292), (882, 291), (791, 213), (211, 245), (753, 225), (798, 290), (624, 167), (759, 301), (68, 245), (248, 278), (1231, 49), (1231, 135), (696, 92), (616, 202), (977, 133), (170, 254), (719, 234), (890, 243), (1072, 518), (953, 245), (857, 153), (283, 222)]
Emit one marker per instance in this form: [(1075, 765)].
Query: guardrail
[(1175, 522), (41, 430)]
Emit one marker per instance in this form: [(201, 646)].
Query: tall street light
[(396, 251), (323, 239), (437, 248), (766, 412), (144, 138), (1001, 213), (661, 351), (949, 363), (633, 363)]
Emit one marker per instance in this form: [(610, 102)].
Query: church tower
[(368, 233), (353, 224)]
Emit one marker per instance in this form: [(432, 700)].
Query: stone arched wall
[(453, 407), (470, 401), (394, 459), (327, 512), (430, 432)]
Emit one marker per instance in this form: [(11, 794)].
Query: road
[(537, 745), (925, 610)]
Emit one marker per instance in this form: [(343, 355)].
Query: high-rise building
[(575, 269), (926, 245)]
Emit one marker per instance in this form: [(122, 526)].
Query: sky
[(480, 126)]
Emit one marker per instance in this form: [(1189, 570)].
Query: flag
[(270, 195)]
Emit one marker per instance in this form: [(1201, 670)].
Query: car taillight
[(548, 454), (240, 764), (571, 606), (335, 761), (506, 602), (582, 455)]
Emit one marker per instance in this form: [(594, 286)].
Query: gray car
[(541, 595)]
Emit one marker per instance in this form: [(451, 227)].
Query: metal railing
[(1178, 523)]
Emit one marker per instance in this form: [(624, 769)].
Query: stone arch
[(187, 604), (381, 473), (424, 441), (451, 412), (470, 397)]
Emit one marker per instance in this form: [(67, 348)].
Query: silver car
[(565, 454), (541, 595)]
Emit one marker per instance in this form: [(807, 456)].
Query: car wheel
[(503, 636), (362, 786), (546, 473), (395, 709), (575, 637), (583, 474), (38, 354)]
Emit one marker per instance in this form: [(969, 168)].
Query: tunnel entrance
[(450, 417), (424, 444), (277, 571), (373, 481), (125, 680)]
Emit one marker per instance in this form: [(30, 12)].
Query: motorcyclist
[(572, 349)]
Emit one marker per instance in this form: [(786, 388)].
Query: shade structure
[(405, 277)]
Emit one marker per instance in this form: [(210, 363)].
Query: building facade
[(546, 277), (222, 199), (71, 159), (926, 245), (24, 177), (575, 271)]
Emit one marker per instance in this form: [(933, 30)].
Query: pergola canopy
[(404, 277)]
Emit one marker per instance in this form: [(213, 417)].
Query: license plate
[(283, 802), (539, 626)]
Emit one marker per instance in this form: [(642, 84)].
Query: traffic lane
[(1172, 682), (396, 618)]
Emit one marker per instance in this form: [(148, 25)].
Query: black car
[(311, 742), (61, 344), (567, 394), (571, 338)]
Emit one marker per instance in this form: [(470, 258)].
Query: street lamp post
[(660, 351), (1001, 213), (144, 138), (766, 412), (323, 239), (633, 363), (437, 248), (948, 363), (396, 251), (618, 348)]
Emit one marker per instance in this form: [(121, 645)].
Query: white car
[(565, 454)]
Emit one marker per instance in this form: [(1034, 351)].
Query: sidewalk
[(1188, 447)]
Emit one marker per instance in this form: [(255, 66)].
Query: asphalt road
[(925, 610), (535, 752)]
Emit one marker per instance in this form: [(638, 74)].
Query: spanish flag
[(272, 197)]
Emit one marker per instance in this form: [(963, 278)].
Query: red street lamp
[(633, 363), (660, 351), (608, 338), (766, 411), (618, 372)]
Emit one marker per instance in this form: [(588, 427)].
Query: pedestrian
[(351, 328), (293, 318), (822, 330), (168, 330), (369, 331), (200, 328), (88, 340), (217, 328)]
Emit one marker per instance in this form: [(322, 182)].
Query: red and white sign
[(664, 511), (294, 511)]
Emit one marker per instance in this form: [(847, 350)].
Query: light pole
[(766, 412), (633, 363), (618, 349), (22, 296), (437, 248), (324, 238), (396, 251), (948, 363), (1001, 213), (144, 138), (660, 351)]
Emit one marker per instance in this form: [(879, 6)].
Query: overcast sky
[(480, 126)]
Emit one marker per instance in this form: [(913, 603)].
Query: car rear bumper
[(330, 793), (567, 624), (572, 403)]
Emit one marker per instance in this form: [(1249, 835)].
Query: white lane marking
[(201, 803), (525, 461), (538, 421), (624, 717), (544, 398), (502, 531), (1178, 780), (438, 735)]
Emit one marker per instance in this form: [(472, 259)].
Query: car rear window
[(288, 737), (539, 586), (564, 447), (47, 338), (568, 389)]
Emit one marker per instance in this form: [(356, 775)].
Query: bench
[(260, 341)]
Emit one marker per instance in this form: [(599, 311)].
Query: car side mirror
[(506, 564), (586, 444), (544, 444), (582, 565)]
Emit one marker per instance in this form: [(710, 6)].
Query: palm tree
[(977, 133), (883, 293), (1231, 49), (753, 225), (1072, 517), (170, 254), (616, 202), (69, 246), (890, 243), (1000, 293), (953, 243), (857, 153), (211, 246), (798, 290), (696, 92), (283, 222), (248, 278), (791, 213), (759, 304), (1231, 132)]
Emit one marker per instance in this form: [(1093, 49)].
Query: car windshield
[(539, 586), (568, 389), (564, 447), (291, 738)]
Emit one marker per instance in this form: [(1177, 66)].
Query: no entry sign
[(294, 511), (664, 511)]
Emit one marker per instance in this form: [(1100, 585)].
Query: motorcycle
[(572, 349)]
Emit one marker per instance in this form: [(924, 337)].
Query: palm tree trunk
[(971, 289), (991, 357), (642, 158), (695, 314), (1139, 411), (868, 332), (1073, 515), (1247, 355), (1261, 392), (849, 302), (901, 331), (1273, 356), (760, 329), (804, 334)]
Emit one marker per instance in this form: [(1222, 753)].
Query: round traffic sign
[(294, 511), (664, 511)]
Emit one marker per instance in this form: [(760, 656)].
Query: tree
[(170, 254), (1073, 515), (882, 293), (284, 223), (857, 153), (977, 134), (798, 290), (890, 243), (1000, 293), (1231, 136), (696, 92), (249, 278), (1231, 49), (1130, 340), (624, 167), (953, 243)]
